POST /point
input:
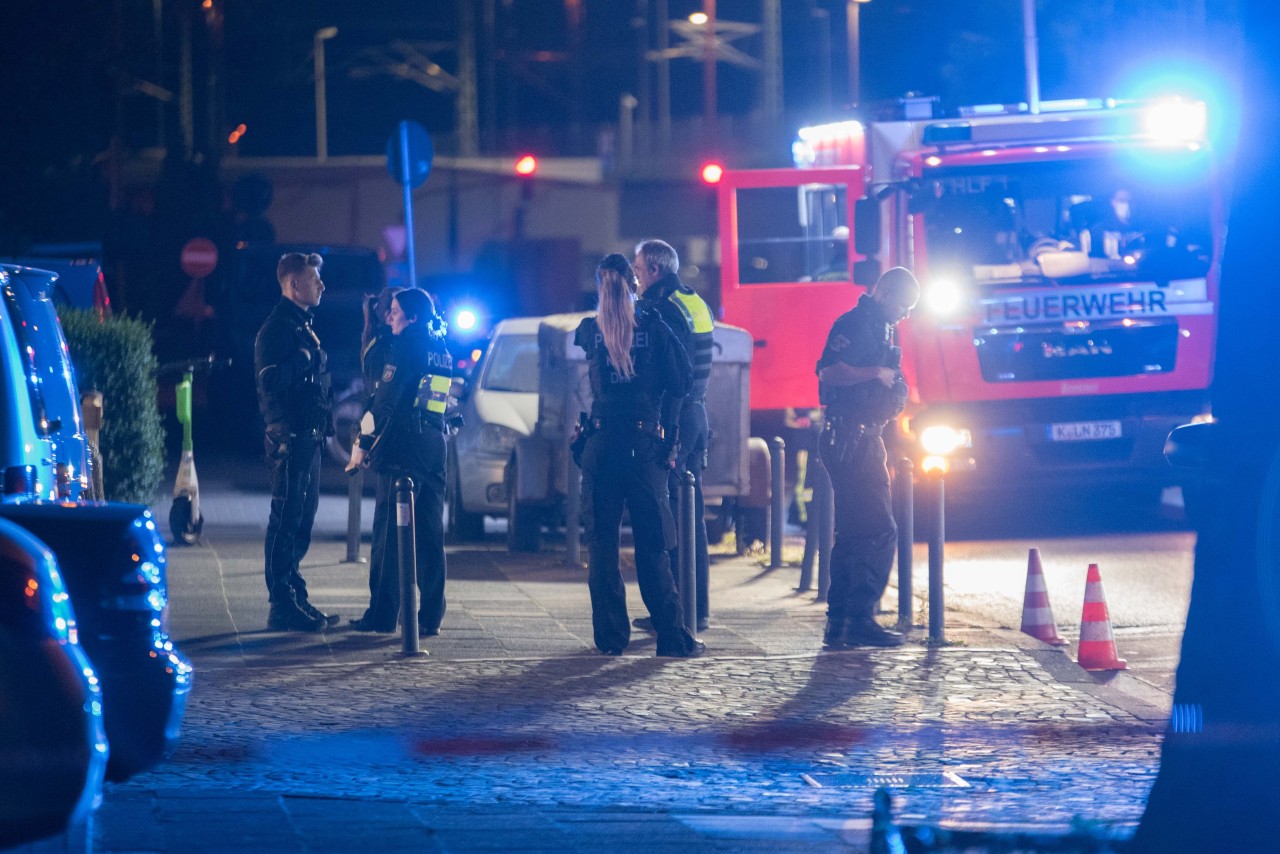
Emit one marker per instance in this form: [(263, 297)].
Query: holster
[(581, 433)]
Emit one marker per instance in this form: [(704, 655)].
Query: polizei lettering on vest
[(1056, 306)]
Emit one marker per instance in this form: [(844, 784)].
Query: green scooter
[(185, 519)]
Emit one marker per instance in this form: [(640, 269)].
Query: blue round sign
[(412, 137)]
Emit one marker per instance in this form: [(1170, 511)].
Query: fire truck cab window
[(1113, 219), (793, 234)]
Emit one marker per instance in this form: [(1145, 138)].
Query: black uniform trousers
[(624, 468), (694, 435), (384, 558), (295, 495), (866, 533)]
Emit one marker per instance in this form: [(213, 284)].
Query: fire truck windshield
[(1099, 219)]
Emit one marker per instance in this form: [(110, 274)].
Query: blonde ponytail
[(616, 316)]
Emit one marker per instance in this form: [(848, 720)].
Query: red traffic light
[(712, 172), (526, 165)]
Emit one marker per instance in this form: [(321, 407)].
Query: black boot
[(289, 617), (316, 614), (833, 635), (867, 632)]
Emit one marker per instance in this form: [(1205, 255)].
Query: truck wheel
[(524, 523), (464, 526)]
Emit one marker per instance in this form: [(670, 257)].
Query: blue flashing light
[(465, 319)]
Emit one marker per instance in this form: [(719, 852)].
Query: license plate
[(1084, 431)]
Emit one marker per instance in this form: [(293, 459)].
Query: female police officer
[(639, 377), (402, 434)]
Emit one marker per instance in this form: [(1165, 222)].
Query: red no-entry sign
[(199, 257)]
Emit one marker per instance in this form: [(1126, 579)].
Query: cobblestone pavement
[(513, 735)]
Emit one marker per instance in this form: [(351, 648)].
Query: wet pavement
[(512, 734)]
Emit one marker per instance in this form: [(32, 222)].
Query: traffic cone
[(1037, 615), (1097, 649)]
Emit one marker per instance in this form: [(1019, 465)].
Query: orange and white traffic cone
[(1097, 649), (1037, 615)]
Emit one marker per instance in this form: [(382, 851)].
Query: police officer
[(687, 315), (403, 435), (294, 398), (639, 378), (861, 388)]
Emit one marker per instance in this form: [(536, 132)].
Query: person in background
[(375, 347), (861, 388), (403, 435), (295, 399), (658, 283), (640, 376)]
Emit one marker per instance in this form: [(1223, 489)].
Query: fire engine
[(1069, 268)]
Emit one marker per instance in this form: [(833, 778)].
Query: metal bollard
[(408, 565), (355, 493), (777, 499), (821, 530), (572, 512), (904, 498), (937, 536), (688, 553), (826, 533)]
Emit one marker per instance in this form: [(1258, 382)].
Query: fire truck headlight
[(1176, 121), (943, 297), (933, 465), (940, 440)]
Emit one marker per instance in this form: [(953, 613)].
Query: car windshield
[(1100, 219), (512, 365)]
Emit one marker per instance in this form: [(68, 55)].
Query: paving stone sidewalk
[(513, 735)]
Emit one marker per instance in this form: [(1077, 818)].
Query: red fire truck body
[(1068, 262)]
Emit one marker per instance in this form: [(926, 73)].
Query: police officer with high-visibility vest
[(403, 434), (657, 269), (861, 387)]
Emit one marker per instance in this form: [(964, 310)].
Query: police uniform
[(852, 449), (294, 398), (625, 461), (689, 317), (403, 434)]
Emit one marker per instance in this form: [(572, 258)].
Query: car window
[(512, 365)]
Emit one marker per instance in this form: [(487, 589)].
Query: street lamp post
[(322, 118), (854, 49)]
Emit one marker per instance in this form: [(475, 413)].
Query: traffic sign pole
[(407, 182)]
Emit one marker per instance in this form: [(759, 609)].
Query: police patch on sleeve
[(388, 372), (838, 343)]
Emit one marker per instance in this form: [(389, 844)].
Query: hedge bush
[(116, 357)]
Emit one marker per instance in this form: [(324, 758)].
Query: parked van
[(50, 379)]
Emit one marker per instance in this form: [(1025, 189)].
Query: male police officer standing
[(861, 388), (656, 266), (294, 398)]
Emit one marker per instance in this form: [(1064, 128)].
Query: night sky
[(77, 73)]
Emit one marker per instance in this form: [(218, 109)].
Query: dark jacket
[(662, 373), (863, 337), (689, 317), (409, 403), (373, 357), (292, 373)]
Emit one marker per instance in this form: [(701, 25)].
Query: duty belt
[(639, 425), (850, 428)]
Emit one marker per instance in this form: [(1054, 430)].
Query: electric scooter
[(185, 519)]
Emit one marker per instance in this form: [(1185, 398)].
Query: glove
[(357, 459)]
